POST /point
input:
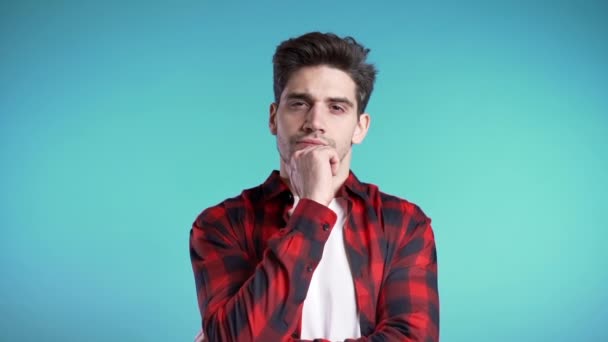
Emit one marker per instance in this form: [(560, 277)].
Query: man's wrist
[(319, 199)]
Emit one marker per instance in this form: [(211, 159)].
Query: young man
[(313, 253)]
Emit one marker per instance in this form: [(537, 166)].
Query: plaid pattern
[(253, 263)]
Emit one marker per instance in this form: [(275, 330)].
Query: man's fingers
[(334, 159), (305, 150), (327, 151), (334, 162), (312, 148), (200, 337)]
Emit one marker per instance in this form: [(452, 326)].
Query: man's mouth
[(311, 141)]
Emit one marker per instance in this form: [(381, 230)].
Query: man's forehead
[(319, 83)]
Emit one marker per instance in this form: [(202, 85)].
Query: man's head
[(322, 85), (315, 48)]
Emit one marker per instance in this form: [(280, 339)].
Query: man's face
[(317, 106)]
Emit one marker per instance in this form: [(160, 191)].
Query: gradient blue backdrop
[(120, 123)]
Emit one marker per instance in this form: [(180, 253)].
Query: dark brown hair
[(316, 48)]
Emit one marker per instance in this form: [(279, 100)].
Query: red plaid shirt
[(253, 263)]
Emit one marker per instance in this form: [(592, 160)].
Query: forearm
[(411, 315), (408, 303), (262, 302), (417, 327), (269, 298)]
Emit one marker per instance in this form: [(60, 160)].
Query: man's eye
[(337, 108), (297, 104)]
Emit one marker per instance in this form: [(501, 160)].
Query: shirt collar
[(275, 186)]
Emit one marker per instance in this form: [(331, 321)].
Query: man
[(313, 253)]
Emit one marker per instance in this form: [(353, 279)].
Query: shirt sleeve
[(241, 299), (408, 304)]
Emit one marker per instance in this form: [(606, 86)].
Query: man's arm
[(241, 300), (408, 305)]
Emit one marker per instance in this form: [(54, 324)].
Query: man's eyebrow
[(299, 96), (308, 98), (342, 100)]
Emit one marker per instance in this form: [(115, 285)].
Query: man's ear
[(272, 118), (361, 129)]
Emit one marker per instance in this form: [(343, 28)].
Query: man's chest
[(364, 246)]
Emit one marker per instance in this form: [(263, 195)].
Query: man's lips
[(310, 141)]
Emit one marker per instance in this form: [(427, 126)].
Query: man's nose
[(315, 119)]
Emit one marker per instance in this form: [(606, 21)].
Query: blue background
[(120, 123)]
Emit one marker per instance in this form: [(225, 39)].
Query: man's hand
[(200, 337), (311, 172)]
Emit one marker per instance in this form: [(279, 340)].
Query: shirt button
[(289, 197), (309, 268), (294, 335), (325, 226)]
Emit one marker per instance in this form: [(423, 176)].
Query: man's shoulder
[(388, 202), (233, 207), (394, 202), (399, 217)]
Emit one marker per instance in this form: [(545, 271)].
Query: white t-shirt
[(330, 307)]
